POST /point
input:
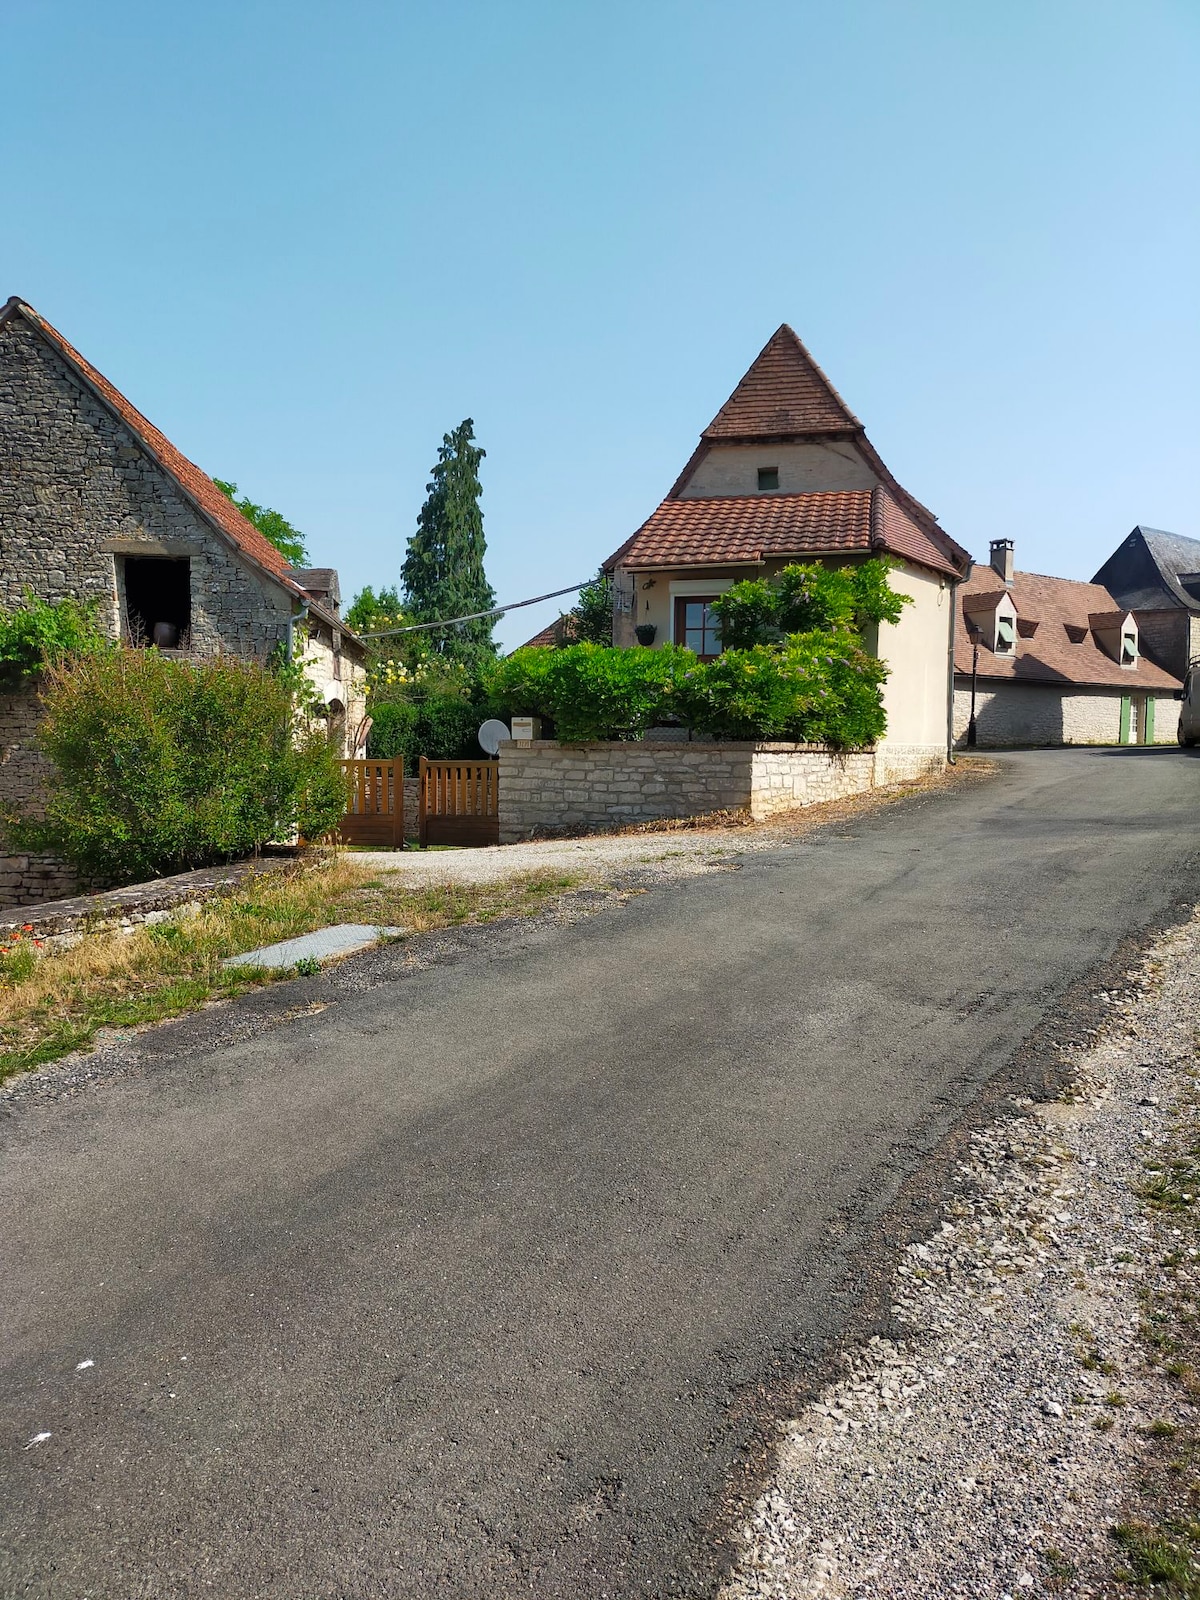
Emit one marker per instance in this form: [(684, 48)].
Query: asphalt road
[(478, 1282)]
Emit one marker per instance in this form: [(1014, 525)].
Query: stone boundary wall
[(547, 787), (1044, 713), (138, 903)]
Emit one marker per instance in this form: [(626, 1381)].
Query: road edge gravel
[(987, 1443)]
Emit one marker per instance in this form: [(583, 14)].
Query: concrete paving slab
[(343, 939)]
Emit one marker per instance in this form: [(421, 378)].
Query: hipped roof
[(219, 511)]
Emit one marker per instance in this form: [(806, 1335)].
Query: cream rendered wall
[(917, 650), (655, 603), (732, 469)]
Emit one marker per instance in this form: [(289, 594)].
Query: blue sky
[(308, 239)]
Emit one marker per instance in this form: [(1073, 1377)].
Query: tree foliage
[(591, 617), (370, 612), (273, 526), (443, 572)]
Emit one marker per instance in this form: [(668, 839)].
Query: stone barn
[(96, 503)]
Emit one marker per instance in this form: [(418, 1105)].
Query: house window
[(158, 601), (696, 625), (1004, 636), (1129, 649), (768, 478)]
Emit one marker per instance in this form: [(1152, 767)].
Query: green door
[(1126, 707)]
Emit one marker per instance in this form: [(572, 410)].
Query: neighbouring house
[(783, 473), (554, 635), (1156, 575), (96, 502), (1052, 661)]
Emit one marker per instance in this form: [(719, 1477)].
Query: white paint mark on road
[(81, 1366), (38, 1438)]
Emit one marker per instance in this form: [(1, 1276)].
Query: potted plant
[(645, 632)]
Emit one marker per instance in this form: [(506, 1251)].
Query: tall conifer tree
[(443, 572)]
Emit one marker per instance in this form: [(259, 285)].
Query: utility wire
[(473, 616)]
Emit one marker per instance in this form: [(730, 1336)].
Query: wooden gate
[(374, 804), (459, 802)]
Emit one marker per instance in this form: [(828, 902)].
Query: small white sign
[(527, 727)]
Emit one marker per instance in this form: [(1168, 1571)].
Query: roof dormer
[(1116, 632), (992, 617)]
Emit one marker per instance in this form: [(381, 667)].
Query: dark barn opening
[(158, 600)]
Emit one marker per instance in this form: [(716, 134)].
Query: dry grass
[(54, 1003)]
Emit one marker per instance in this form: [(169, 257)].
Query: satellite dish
[(492, 735)]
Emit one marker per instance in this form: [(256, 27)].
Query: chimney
[(1002, 560)]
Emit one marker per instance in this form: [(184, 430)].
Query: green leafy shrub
[(591, 692), (441, 726), (393, 723), (41, 632), (807, 598), (161, 765), (815, 688)]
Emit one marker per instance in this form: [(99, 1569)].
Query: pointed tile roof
[(784, 393), (786, 396)]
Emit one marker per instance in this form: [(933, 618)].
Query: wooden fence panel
[(459, 802), (375, 804)]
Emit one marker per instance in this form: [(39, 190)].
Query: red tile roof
[(733, 529), (784, 392), (1063, 648), (197, 485), (559, 632)]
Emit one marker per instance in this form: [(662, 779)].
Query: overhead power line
[(473, 616)]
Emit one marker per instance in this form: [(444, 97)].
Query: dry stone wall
[(548, 788), (1034, 713), (77, 492)]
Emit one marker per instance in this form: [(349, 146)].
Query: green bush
[(443, 727), (807, 598), (589, 691), (815, 688), (161, 765), (819, 688), (40, 633)]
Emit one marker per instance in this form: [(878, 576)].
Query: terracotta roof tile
[(1063, 649), (195, 483), (784, 392), (732, 529), (559, 632)]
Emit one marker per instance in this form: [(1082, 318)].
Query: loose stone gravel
[(988, 1447)]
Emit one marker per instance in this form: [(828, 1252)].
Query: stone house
[(783, 473), (95, 502), (1052, 661), (1156, 575)]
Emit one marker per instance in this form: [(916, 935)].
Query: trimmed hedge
[(443, 727)]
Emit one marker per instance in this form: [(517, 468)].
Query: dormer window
[(1005, 636), (768, 479), (1129, 649)]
